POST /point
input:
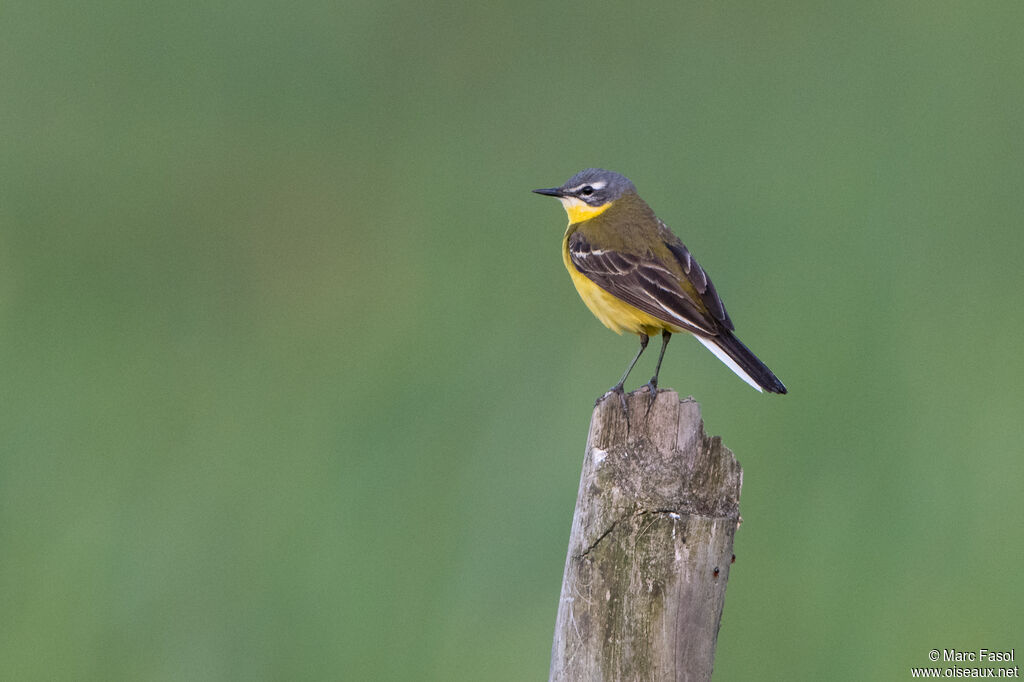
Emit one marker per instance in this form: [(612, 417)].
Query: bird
[(635, 275)]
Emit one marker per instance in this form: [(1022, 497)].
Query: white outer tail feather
[(729, 362)]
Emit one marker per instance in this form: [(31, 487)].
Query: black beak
[(550, 192)]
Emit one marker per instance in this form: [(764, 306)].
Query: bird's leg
[(617, 388), (652, 385)]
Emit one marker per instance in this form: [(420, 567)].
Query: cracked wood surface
[(650, 547)]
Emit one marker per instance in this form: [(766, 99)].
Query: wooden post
[(650, 547)]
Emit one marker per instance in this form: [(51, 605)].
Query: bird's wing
[(653, 287), (698, 278)]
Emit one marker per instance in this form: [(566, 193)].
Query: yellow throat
[(579, 211)]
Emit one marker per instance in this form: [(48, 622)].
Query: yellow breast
[(614, 313)]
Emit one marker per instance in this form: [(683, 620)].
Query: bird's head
[(590, 192)]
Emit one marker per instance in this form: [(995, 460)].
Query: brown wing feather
[(695, 273), (645, 284)]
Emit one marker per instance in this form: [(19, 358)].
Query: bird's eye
[(587, 191)]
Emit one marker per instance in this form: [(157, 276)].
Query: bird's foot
[(652, 388), (616, 390)]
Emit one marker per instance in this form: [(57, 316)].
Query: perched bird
[(635, 275)]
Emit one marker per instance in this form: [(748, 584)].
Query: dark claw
[(617, 388), (652, 388)]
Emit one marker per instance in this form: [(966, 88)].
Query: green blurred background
[(295, 385)]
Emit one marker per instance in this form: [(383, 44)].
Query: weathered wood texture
[(650, 547)]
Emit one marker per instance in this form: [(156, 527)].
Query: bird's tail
[(739, 359)]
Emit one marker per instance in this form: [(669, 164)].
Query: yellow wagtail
[(635, 275)]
